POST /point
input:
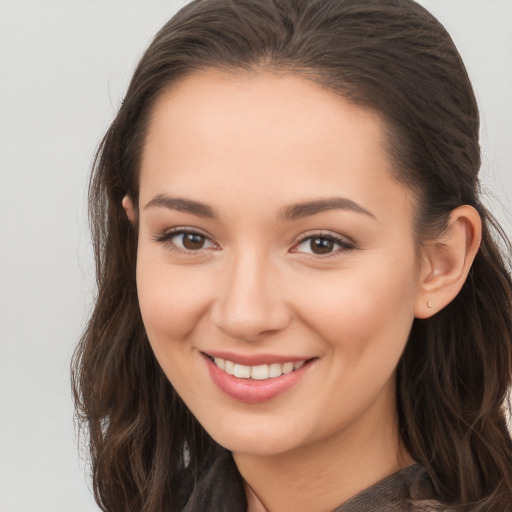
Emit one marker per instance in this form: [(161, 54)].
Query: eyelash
[(342, 243), (166, 239)]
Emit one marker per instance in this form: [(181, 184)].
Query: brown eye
[(185, 241), (321, 245), (193, 241)]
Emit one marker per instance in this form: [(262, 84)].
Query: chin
[(258, 446), (261, 439)]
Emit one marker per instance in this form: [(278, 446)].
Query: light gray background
[(63, 68)]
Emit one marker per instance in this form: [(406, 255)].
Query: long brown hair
[(148, 452)]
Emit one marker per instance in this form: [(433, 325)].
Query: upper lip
[(255, 359)]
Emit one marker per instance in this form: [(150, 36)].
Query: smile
[(257, 382), (258, 372)]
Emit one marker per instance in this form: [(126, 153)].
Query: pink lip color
[(256, 359), (253, 391)]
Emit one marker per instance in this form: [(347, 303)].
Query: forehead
[(261, 132), (256, 105)]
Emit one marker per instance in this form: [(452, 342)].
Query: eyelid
[(166, 236), (344, 243)]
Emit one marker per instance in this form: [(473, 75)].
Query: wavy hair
[(148, 452)]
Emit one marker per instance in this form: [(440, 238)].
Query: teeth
[(259, 372), (244, 372), (275, 370), (287, 368), (229, 367)]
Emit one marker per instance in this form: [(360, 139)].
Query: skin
[(249, 146)]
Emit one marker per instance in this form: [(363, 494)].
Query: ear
[(128, 208), (446, 261)]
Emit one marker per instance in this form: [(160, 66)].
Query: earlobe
[(447, 261), (128, 208)]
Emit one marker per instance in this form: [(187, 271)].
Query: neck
[(321, 475)]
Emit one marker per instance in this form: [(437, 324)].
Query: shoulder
[(408, 490)]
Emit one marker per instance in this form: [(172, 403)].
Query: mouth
[(256, 378), (257, 372), (259, 382)]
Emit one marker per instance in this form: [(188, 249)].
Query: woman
[(301, 305)]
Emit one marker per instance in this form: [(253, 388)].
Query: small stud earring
[(429, 304)]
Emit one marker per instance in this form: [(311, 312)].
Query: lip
[(254, 391), (256, 359)]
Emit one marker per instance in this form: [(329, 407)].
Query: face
[(277, 268)]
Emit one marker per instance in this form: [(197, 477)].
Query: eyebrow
[(290, 213), (308, 208), (182, 205)]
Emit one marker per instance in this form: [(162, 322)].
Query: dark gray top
[(408, 490), (221, 489)]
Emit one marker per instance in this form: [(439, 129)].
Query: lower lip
[(254, 391)]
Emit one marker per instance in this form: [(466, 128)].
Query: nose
[(249, 303)]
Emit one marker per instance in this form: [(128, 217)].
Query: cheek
[(172, 301), (365, 308), (172, 298)]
